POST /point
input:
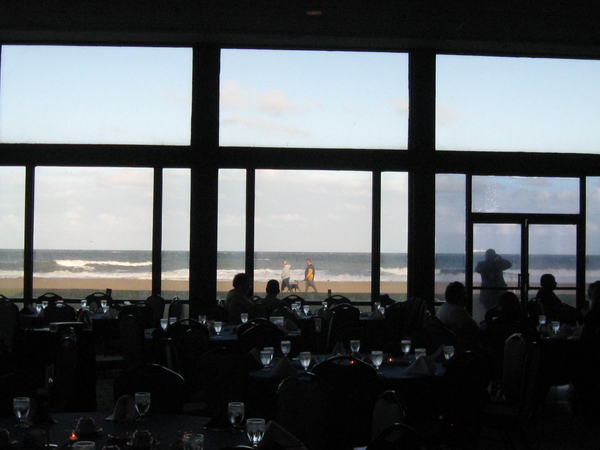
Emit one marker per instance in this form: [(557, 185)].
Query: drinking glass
[(202, 319), (286, 346), (324, 303), (255, 429), (164, 324), (39, 307), (420, 352), (271, 351), (382, 309), (542, 319), (306, 309), (244, 317), (235, 413), (555, 326), (305, 358), (377, 358), (104, 304), (142, 403), (448, 351), (193, 441), (218, 325), (21, 407), (377, 305), (406, 346), (355, 346), (45, 304), (83, 303), (172, 320), (265, 358)]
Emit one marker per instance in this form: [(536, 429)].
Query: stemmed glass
[(21, 407), (448, 351), (193, 441), (271, 351), (83, 303), (305, 358), (265, 359), (164, 324), (202, 319), (377, 358), (39, 307), (542, 319), (255, 429), (355, 346), (104, 304), (235, 413), (286, 346), (218, 325), (142, 404), (45, 304), (306, 309), (555, 326), (406, 343)]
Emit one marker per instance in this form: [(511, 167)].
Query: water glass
[(45, 304), (377, 305), (104, 304), (142, 403), (448, 351), (21, 407), (244, 317), (172, 320), (202, 319), (83, 303), (542, 319), (305, 359), (235, 413), (355, 346), (306, 309), (265, 358), (377, 358), (39, 307), (405, 346), (218, 325), (193, 441), (555, 326), (271, 351), (420, 352), (286, 346), (255, 429), (164, 324)]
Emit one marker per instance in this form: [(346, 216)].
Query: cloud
[(447, 116), (400, 104), (264, 126)]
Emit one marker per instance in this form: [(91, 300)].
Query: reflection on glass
[(176, 233), (394, 233), (95, 95), (12, 226), (526, 195), (314, 220), (93, 228), (269, 99), (517, 104)]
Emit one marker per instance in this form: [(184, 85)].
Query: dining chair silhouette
[(49, 297), (293, 298), (62, 395), (94, 300), (259, 334), (131, 339), (387, 411), (176, 309), (59, 311), (343, 325), (337, 300), (9, 322), (157, 305)]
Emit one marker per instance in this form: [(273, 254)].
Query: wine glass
[(286, 346), (39, 307), (542, 319), (306, 309), (377, 358), (45, 303), (420, 352), (355, 346), (202, 319), (235, 413), (21, 407), (255, 429), (164, 324), (193, 441), (142, 403), (104, 304), (448, 351), (218, 325), (305, 358), (83, 303), (406, 346), (265, 359), (244, 317), (555, 326)]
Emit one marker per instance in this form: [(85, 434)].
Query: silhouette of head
[(242, 282), (547, 281), (490, 254), (510, 304), (456, 293), (273, 287)]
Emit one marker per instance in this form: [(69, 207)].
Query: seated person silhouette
[(271, 303), (236, 302), (546, 296)]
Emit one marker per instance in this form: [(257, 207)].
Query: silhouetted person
[(285, 277), (547, 298), (309, 276), (491, 270), (236, 301), (271, 303), (453, 313)]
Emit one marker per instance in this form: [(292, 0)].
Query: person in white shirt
[(285, 277), (453, 313)]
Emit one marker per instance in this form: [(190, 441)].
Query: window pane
[(314, 99), (517, 104), (176, 233), (592, 263), (93, 230), (95, 95), (450, 231), (526, 195), (323, 216), (394, 234), (12, 227), (231, 240)]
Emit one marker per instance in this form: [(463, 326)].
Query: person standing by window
[(491, 270)]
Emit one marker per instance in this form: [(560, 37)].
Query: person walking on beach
[(491, 270), (285, 277), (309, 276)]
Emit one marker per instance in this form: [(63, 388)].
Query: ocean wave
[(84, 263)]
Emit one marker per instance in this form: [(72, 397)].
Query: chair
[(142, 311), (568, 315), (416, 314), (131, 333), (167, 388), (433, 336), (293, 298), (398, 436), (314, 333), (255, 298), (84, 317), (157, 305), (176, 309), (337, 300), (62, 395), (9, 322), (190, 340), (301, 405), (388, 410), (94, 301), (260, 333), (49, 297), (59, 311), (343, 325), (351, 389)]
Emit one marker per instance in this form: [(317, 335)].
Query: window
[(93, 230), (12, 227), (95, 95), (314, 99)]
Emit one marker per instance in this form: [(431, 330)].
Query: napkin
[(339, 349), (124, 410), (254, 362), (283, 369), (277, 438), (422, 366), (289, 325), (376, 314), (438, 355)]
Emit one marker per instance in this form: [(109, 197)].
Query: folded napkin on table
[(219, 421), (253, 359), (438, 355), (376, 314), (339, 349), (422, 366), (124, 410), (277, 438), (283, 369), (290, 325)]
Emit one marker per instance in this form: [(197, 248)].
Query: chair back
[(157, 305), (343, 325), (131, 333), (314, 333), (261, 333), (167, 388), (84, 317), (176, 309), (62, 394), (218, 313), (388, 410), (337, 300), (515, 357), (59, 311), (94, 301), (141, 310), (301, 406), (395, 437), (9, 322), (417, 312), (293, 298), (49, 297)]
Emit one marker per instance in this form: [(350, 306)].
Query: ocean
[(329, 266)]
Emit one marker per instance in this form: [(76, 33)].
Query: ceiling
[(535, 27)]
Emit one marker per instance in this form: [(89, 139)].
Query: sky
[(280, 98)]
